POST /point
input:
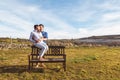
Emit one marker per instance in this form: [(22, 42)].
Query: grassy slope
[(84, 63)]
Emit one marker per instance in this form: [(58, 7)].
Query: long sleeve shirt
[(35, 36), (45, 35), (31, 37)]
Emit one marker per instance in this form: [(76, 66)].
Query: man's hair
[(41, 25), (35, 26)]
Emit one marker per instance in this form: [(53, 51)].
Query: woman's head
[(35, 26)]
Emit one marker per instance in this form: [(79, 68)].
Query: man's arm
[(45, 36)]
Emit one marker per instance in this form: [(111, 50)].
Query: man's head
[(41, 26), (35, 27)]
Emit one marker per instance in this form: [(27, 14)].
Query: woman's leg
[(46, 46), (43, 49)]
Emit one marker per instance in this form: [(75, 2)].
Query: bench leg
[(29, 62), (29, 66), (64, 66), (32, 64)]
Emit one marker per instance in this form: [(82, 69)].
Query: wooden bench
[(55, 54)]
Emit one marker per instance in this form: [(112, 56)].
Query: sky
[(63, 19)]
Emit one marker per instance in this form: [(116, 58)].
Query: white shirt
[(36, 35), (31, 36)]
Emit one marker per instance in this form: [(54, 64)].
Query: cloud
[(80, 11), (107, 30), (13, 22), (71, 20), (113, 16), (20, 19), (109, 5)]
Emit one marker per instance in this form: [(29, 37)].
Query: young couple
[(38, 37)]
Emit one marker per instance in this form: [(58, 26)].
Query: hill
[(109, 40), (106, 40), (103, 37)]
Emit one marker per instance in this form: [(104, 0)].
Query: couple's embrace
[(38, 37)]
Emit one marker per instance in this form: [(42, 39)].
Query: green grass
[(83, 63)]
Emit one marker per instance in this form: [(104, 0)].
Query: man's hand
[(39, 40), (44, 38)]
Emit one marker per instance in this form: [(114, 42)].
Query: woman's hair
[(35, 26)]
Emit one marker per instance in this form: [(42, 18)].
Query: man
[(45, 34)]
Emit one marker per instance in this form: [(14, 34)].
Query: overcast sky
[(63, 19)]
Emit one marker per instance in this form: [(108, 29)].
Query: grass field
[(83, 63)]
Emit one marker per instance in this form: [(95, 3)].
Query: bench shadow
[(19, 69)]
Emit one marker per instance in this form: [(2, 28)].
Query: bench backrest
[(53, 50)]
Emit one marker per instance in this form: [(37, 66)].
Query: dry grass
[(83, 63)]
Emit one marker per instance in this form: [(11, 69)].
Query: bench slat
[(48, 60)]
